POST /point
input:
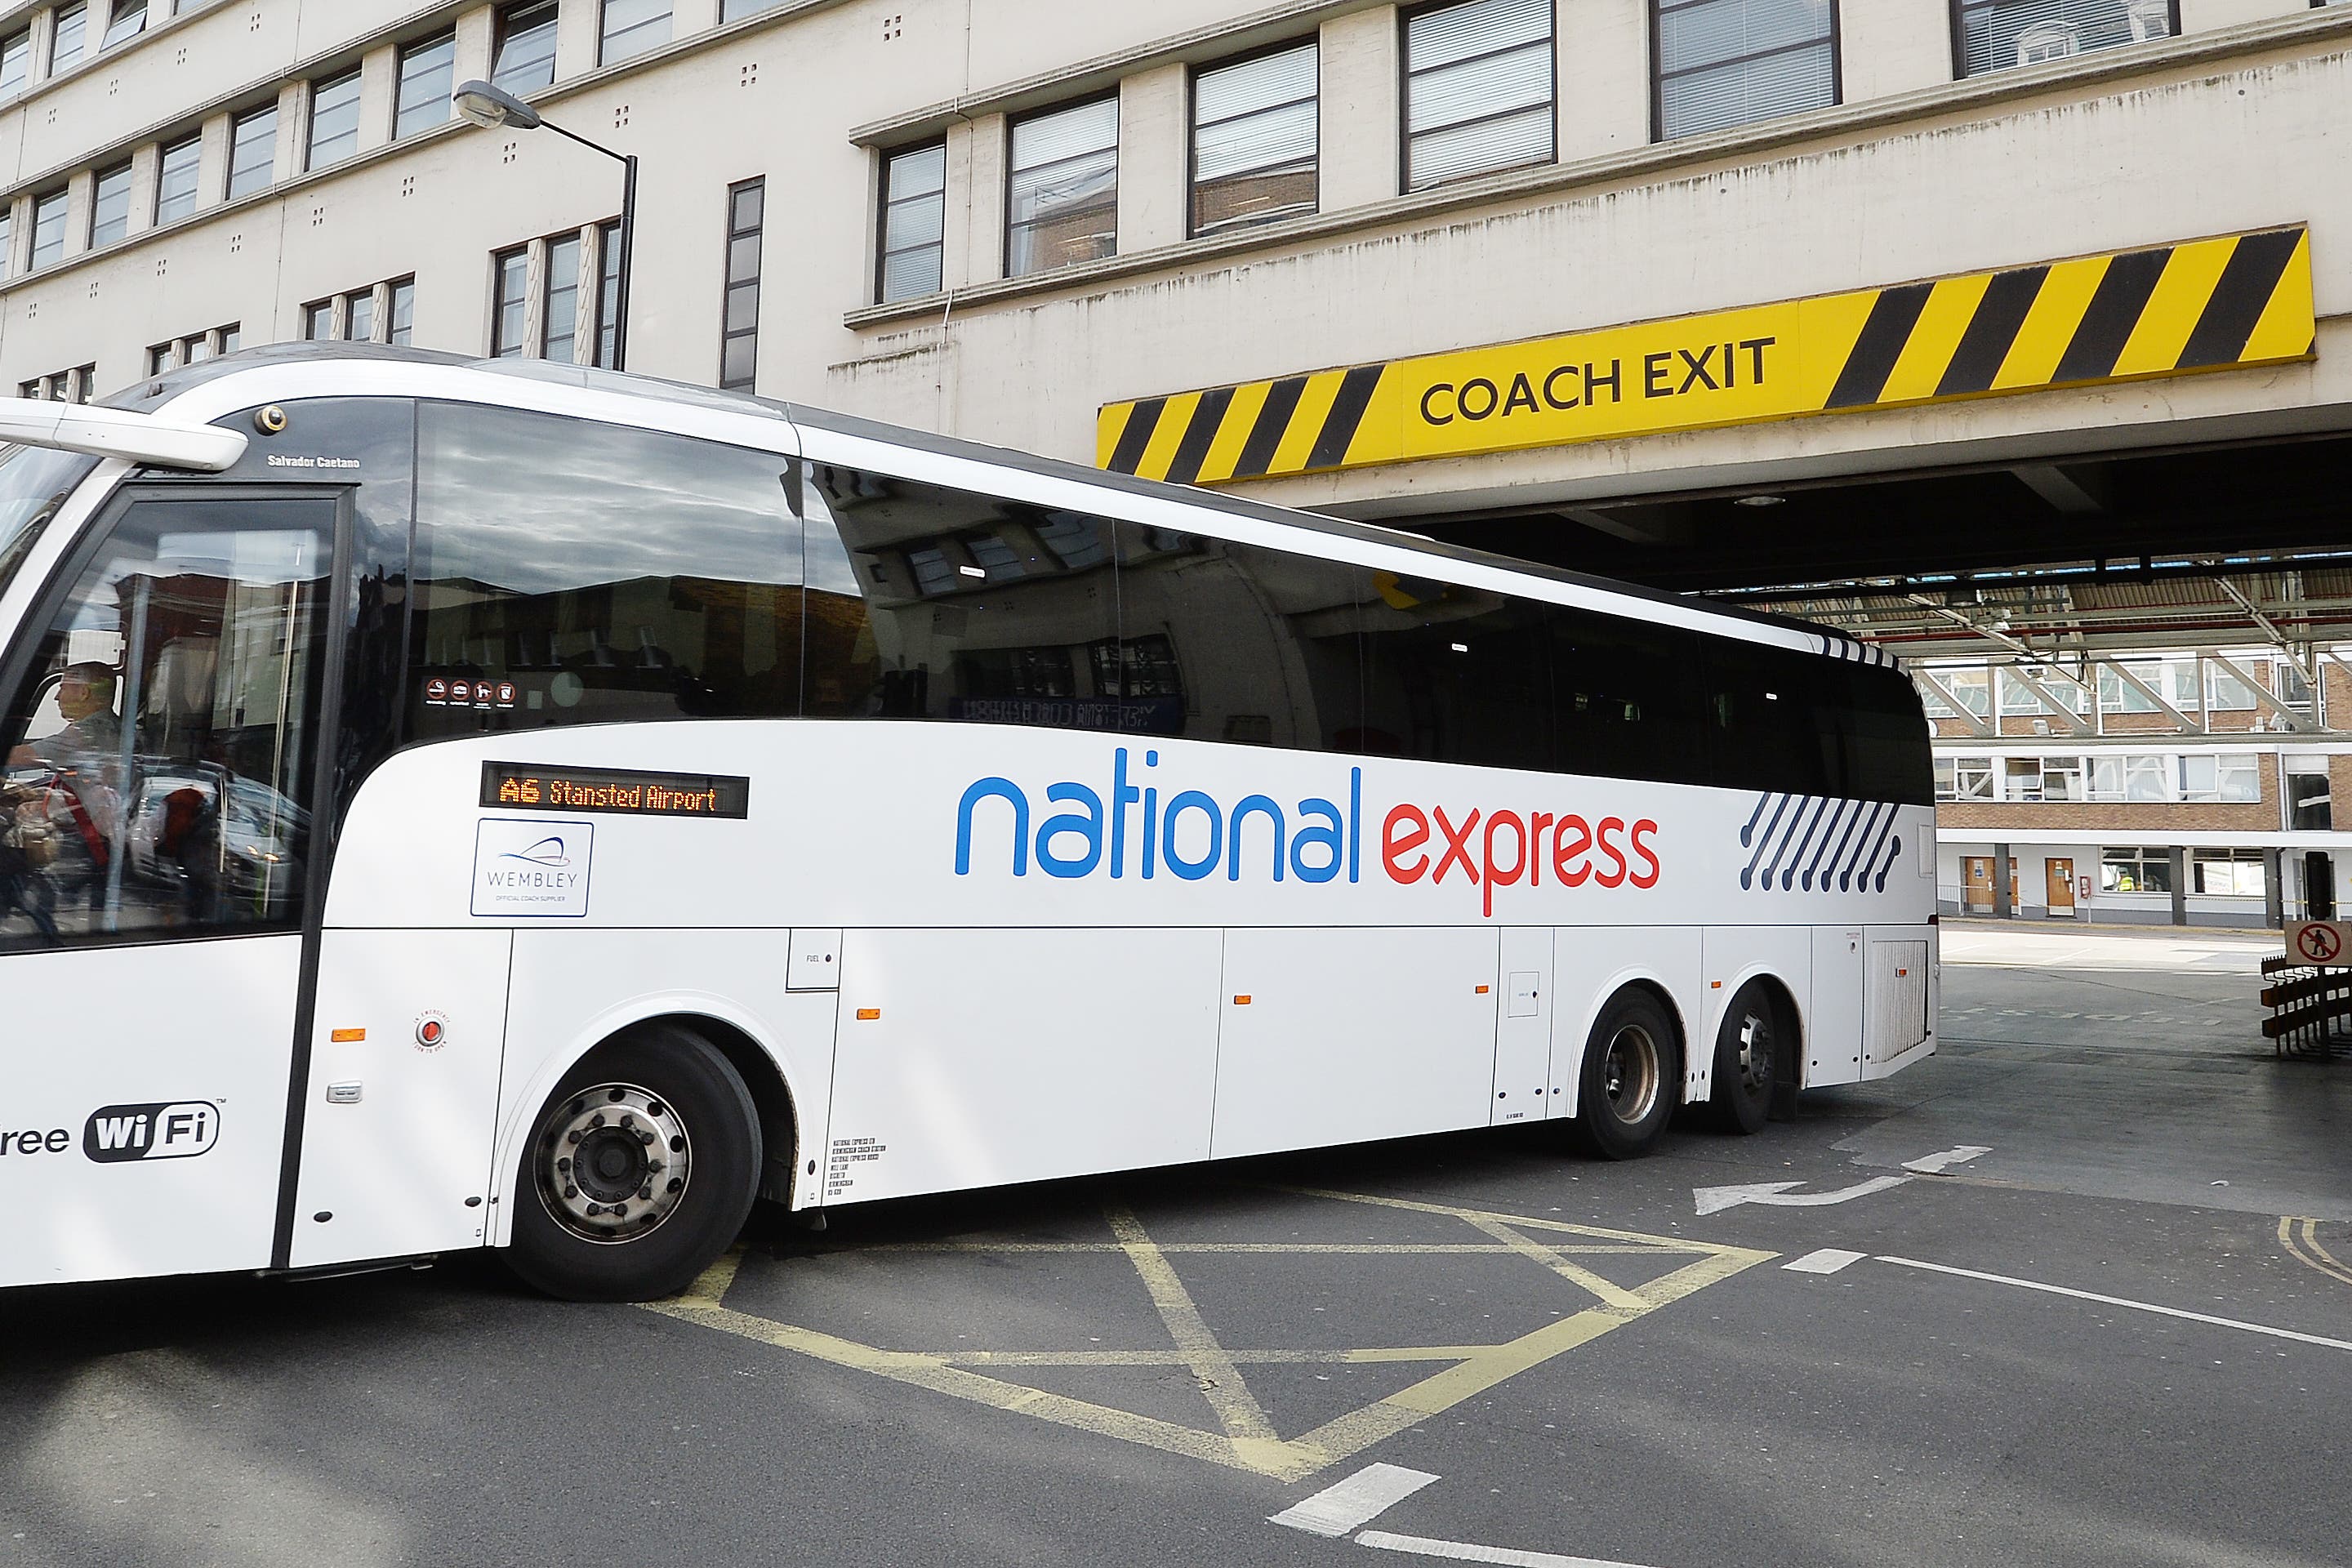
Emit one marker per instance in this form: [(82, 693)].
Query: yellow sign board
[(2207, 305)]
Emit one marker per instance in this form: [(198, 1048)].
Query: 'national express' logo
[(1191, 835)]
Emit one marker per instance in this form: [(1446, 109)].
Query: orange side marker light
[(868, 1015), (1241, 1001), (346, 1036), (1483, 989)]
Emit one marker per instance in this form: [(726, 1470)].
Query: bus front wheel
[(1631, 1071), (640, 1170)]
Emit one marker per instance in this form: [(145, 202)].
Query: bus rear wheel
[(1631, 1069), (639, 1172), (1747, 1050)]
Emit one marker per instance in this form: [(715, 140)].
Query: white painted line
[(1932, 1164), (1712, 1200), (1828, 1261), (1463, 1552), (1357, 1501), (2320, 1340)]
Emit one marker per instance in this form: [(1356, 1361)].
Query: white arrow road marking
[(1357, 1501), (1711, 1200), (1464, 1552), (1932, 1164), (2320, 1340)]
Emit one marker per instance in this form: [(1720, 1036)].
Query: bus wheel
[(1630, 1069), (639, 1172), (1746, 1060)]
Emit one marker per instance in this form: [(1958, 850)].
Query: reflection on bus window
[(159, 753), (575, 574)]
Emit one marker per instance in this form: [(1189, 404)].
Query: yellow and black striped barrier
[(2207, 305)]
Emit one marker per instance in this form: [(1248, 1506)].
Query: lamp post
[(493, 107)]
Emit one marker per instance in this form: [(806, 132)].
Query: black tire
[(1631, 1077), (1751, 1052), (655, 1107)]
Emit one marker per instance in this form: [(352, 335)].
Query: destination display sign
[(623, 791)]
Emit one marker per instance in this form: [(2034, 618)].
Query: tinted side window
[(1883, 733), (1455, 674), (568, 573), (932, 603), (1626, 698), (1772, 725)]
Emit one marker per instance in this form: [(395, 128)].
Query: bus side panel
[(1734, 955), (1350, 1035), (1592, 963), (574, 988), (974, 1058), (1832, 1041)]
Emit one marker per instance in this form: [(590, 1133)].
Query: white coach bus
[(454, 805)]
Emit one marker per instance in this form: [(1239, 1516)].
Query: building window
[(1064, 194), (2226, 691), (76, 385), (1971, 778), (524, 54), (7, 241), (608, 294), (48, 229), (16, 61), (914, 218), (359, 317), (2117, 695), (1477, 89), (175, 179), (426, 78), (2136, 870), (2231, 777), (318, 321), (1995, 35), (334, 119), (66, 44), (2231, 873), (510, 269), (1730, 62), (558, 311), (252, 147), (158, 359), (402, 321), (631, 27), (736, 10), (110, 205), (739, 342), (1254, 140), (2308, 806), (126, 21)]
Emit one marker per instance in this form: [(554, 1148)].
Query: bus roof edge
[(119, 433)]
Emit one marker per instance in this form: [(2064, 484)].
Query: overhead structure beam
[(1978, 727), (2075, 494), (2048, 698), (2253, 611), (2263, 698)]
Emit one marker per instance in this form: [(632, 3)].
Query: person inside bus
[(87, 754)]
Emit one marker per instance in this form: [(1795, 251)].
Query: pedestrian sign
[(2316, 941)]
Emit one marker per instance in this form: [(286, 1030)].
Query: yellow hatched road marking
[(1247, 1440)]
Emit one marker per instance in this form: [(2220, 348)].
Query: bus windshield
[(33, 484)]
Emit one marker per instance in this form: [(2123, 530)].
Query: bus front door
[(161, 746)]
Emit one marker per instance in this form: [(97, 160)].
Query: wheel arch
[(734, 1033), (1783, 997), (1629, 979)]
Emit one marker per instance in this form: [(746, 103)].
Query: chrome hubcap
[(612, 1162), (1755, 1054), (1629, 1074)]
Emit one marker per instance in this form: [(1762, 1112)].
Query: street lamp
[(495, 108)]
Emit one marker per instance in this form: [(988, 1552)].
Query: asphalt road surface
[(2084, 1297)]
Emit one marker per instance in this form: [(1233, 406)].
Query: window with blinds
[(1996, 35), (1477, 89), (1064, 191), (914, 222), (1254, 140), (1728, 62)]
